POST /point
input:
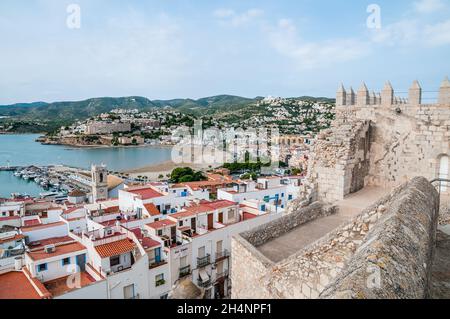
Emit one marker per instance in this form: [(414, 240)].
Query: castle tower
[(444, 92), (341, 96), (351, 97), (387, 95), (99, 183), (363, 95)]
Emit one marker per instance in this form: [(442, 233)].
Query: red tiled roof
[(152, 210), (4, 219), (248, 216), (60, 250), (115, 248), (203, 207), (31, 222), (161, 224), (148, 243), (14, 238), (15, 285), (146, 193), (49, 241), (42, 226)]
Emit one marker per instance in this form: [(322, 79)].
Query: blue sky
[(166, 49)]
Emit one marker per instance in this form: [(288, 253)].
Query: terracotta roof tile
[(152, 210), (161, 224), (115, 248), (15, 285)]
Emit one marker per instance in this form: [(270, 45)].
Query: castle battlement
[(387, 98)]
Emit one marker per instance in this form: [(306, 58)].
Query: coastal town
[(186, 235), (223, 158)]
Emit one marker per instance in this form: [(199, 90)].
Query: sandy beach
[(164, 168)]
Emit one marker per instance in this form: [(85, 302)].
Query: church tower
[(99, 183)]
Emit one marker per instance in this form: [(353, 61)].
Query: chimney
[(363, 96), (387, 95), (444, 92), (341, 96), (415, 94)]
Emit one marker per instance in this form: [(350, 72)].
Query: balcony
[(222, 255), (153, 264), (221, 276), (185, 271), (203, 284), (203, 261)]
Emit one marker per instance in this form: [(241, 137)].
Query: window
[(42, 267), (290, 197), (183, 261), (165, 296), (66, 261), (180, 223), (128, 292), (159, 280), (282, 195), (114, 261), (160, 232)]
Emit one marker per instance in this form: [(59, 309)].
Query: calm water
[(22, 150)]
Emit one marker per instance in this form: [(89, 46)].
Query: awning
[(203, 275)]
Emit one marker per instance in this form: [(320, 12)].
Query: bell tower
[(99, 182)]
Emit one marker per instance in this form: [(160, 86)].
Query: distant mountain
[(70, 111)]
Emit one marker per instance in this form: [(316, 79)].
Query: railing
[(204, 284), (221, 276), (441, 181), (203, 261), (185, 271), (153, 264), (222, 255)]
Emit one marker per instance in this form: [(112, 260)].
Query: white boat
[(48, 194), (26, 177)]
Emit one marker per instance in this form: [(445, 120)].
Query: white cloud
[(236, 19), (308, 55), (437, 34), (428, 6)]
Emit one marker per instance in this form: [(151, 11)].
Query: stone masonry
[(382, 141), (395, 234)]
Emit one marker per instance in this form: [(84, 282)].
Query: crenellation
[(444, 92)]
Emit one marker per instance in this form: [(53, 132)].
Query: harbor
[(54, 181)]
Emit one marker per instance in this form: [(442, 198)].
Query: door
[(221, 218), (158, 255), (81, 262), (201, 252), (210, 221), (194, 224)]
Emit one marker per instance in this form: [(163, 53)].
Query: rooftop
[(300, 237), (60, 250), (161, 224), (16, 285), (145, 193), (58, 287), (115, 248)]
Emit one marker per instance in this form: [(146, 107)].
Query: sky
[(165, 49)]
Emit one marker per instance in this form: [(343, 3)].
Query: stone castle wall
[(378, 140), (401, 226), (398, 250)]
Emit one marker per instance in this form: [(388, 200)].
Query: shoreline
[(154, 170)]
